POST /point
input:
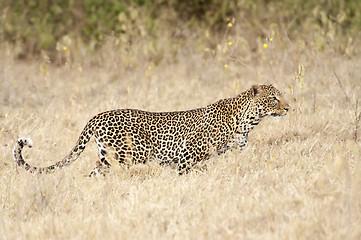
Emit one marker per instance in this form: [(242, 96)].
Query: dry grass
[(300, 177)]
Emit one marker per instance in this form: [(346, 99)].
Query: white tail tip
[(26, 141)]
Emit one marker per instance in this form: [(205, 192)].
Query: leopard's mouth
[(280, 114)]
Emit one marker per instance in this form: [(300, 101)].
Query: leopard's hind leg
[(102, 165)]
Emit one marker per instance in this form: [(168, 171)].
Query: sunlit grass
[(300, 177)]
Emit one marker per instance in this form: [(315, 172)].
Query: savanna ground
[(300, 177)]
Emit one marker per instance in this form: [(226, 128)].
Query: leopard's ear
[(255, 90)]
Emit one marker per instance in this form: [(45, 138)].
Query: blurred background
[(69, 30)]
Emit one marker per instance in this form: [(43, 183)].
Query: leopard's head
[(268, 101)]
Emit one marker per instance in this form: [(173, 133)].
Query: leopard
[(182, 138)]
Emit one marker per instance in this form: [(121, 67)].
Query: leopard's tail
[(70, 158)]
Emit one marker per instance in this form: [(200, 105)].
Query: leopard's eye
[(275, 99)]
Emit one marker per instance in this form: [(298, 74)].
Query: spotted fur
[(182, 137)]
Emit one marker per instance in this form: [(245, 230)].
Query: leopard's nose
[(287, 107)]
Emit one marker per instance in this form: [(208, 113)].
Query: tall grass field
[(299, 178)]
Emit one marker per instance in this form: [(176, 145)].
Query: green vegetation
[(38, 25)]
